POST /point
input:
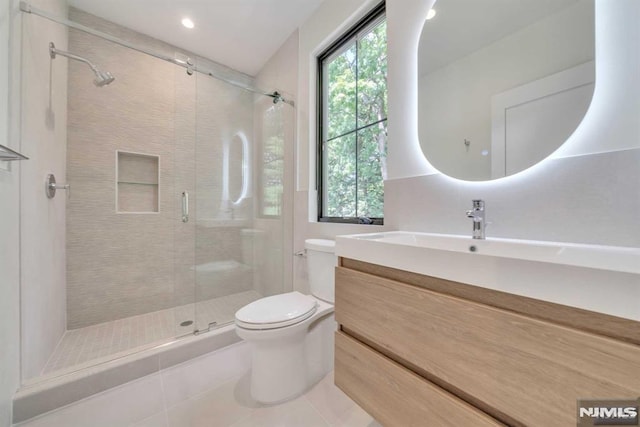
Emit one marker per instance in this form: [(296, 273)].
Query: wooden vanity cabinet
[(415, 350)]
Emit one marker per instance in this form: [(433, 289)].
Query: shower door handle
[(185, 206)]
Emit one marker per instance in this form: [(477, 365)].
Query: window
[(352, 124)]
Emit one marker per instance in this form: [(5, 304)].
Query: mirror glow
[(505, 92)]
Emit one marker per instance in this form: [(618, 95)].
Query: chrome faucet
[(477, 215)]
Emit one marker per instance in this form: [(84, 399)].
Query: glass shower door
[(224, 207), (129, 276), (183, 199)]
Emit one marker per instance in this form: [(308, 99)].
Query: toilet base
[(284, 364), (278, 371)]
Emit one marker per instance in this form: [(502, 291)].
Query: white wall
[(42, 228), (9, 240)]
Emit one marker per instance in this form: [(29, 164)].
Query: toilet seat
[(276, 311)]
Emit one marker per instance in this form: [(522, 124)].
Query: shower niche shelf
[(137, 182)]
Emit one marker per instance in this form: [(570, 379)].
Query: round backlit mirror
[(502, 83)]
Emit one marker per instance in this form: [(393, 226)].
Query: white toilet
[(291, 335)]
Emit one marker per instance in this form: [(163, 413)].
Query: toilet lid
[(276, 311)]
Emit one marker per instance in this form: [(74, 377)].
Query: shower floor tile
[(105, 341)]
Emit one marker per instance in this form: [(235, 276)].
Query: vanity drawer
[(520, 370), (394, 395)]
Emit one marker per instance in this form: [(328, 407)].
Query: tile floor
[(231, 406), (105, 341), (209, 391)]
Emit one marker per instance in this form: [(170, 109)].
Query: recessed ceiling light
[(188, 23), (431, 14)]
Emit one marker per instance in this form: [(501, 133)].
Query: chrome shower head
[(103, 78)]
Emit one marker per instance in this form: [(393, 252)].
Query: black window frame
[(374, 15)]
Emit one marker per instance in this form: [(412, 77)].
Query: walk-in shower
[(103, 78), (135, 274)]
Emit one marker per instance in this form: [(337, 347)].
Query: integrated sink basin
[(414, 251), (604, 279)]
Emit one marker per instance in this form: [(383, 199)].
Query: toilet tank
[(321, 262)]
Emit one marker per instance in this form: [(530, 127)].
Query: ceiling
[(241, 34)]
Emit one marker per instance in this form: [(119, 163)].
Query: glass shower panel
[(274, 129), (224, 205)]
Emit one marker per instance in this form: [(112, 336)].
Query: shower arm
[(53, 51)]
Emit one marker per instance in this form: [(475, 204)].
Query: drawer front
[(395, 396), (520, 370)]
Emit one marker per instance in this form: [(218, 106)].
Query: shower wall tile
[(119, 264), (126, 264)]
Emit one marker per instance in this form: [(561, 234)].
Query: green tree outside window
[(354, 124)]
